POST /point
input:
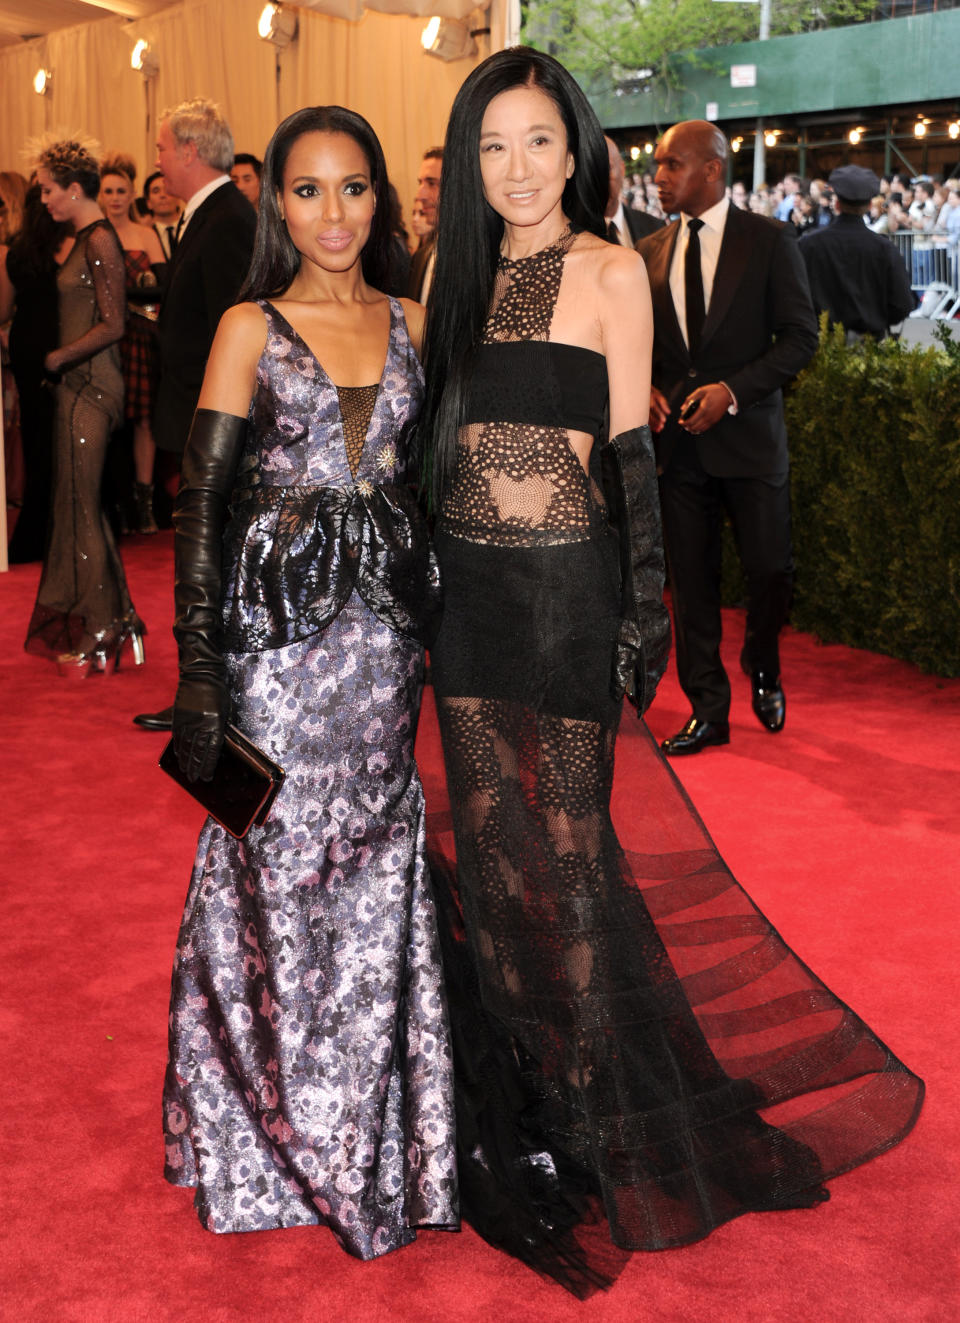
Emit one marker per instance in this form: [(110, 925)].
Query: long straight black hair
[(275, 259), (469, 233)]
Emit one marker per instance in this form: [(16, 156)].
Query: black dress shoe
[(155, 720), (769, 700), (697, 735)]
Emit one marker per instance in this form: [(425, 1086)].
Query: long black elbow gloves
[(629, 477), (202, 705)]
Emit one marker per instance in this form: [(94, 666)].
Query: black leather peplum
[(293, 555)]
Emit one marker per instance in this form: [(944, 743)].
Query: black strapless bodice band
[(293, 555), (538, 381)]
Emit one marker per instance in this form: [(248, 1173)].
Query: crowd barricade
[(931, 258)]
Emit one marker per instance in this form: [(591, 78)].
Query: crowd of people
[(921, 204), (514, 1033)]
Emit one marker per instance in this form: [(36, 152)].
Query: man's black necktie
[(613, 234), (693, 287), (171, 238)]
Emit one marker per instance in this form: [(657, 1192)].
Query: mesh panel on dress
[(519, 484), (356, 410)]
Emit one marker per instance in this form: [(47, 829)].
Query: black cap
[(852, 183)]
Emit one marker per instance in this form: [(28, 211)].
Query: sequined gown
[(640, 1057), (309, 1073), (83, 589)]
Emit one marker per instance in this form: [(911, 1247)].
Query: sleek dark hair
[(34, 247), (247, 158), (275, 260), (469, 232)]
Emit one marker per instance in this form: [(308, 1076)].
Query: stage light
[(448, 39), (43, 82), (954, 128), (276, 25), (143, 59), (770, 139), (634, 153), (648, 148), (736, 144), (919, 129), (854, 136)]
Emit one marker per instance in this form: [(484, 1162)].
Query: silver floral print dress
[(309, 1074)]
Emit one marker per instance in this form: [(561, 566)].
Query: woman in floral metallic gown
[(309, 1075)]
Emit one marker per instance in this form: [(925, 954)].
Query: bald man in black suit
[(733, 322), (625, 225)]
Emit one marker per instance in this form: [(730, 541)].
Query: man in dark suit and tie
[(214, 244), (733, 322), (625, 225)]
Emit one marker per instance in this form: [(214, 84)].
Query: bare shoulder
[(415, 314), (614, 269), (244, 326)]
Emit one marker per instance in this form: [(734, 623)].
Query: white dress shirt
[(623, 230), (711, 237), (199, 197)]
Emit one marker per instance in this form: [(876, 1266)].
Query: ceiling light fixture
[(43, 82), (144, 60), (449, 38), (276, 25)]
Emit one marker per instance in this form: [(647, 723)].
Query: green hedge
[(875, 449)]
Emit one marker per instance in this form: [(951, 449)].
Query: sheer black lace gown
[(83, 598), (640, 1057)]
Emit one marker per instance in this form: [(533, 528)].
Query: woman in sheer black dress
[(83, 614), (640, 1056)]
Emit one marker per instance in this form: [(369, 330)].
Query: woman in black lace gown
[(83, 614), (640, 1056)]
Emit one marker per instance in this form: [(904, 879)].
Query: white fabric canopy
[(374, 65)]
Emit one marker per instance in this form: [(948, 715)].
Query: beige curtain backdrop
[(210, 48)]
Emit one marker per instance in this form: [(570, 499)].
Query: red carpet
[(851, 813)]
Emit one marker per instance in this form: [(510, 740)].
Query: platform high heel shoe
[(132, 632), (91, 659)]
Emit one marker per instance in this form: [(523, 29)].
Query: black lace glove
[(202, 706), (629, 477)]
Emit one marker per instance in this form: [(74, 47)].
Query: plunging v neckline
[(333, 385)]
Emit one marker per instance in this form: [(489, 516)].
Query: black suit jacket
[(760, 331), (418, 269), (205, 275), (640, 224)]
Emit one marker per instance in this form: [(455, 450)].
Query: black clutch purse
[(242, 789)]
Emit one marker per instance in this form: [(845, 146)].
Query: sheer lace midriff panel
[(520, 483)]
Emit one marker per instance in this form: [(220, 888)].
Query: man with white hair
[(214, 247), (213, 250)]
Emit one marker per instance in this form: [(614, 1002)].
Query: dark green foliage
[(875, 447)]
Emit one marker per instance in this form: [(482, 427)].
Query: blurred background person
[(28, 295), (83, 614), (426, 197), (13, 192), (245, 173), (13, 188), (144, 261), (399, 270), (858, 278), (163, 210), (214, 248), (624, 224)]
